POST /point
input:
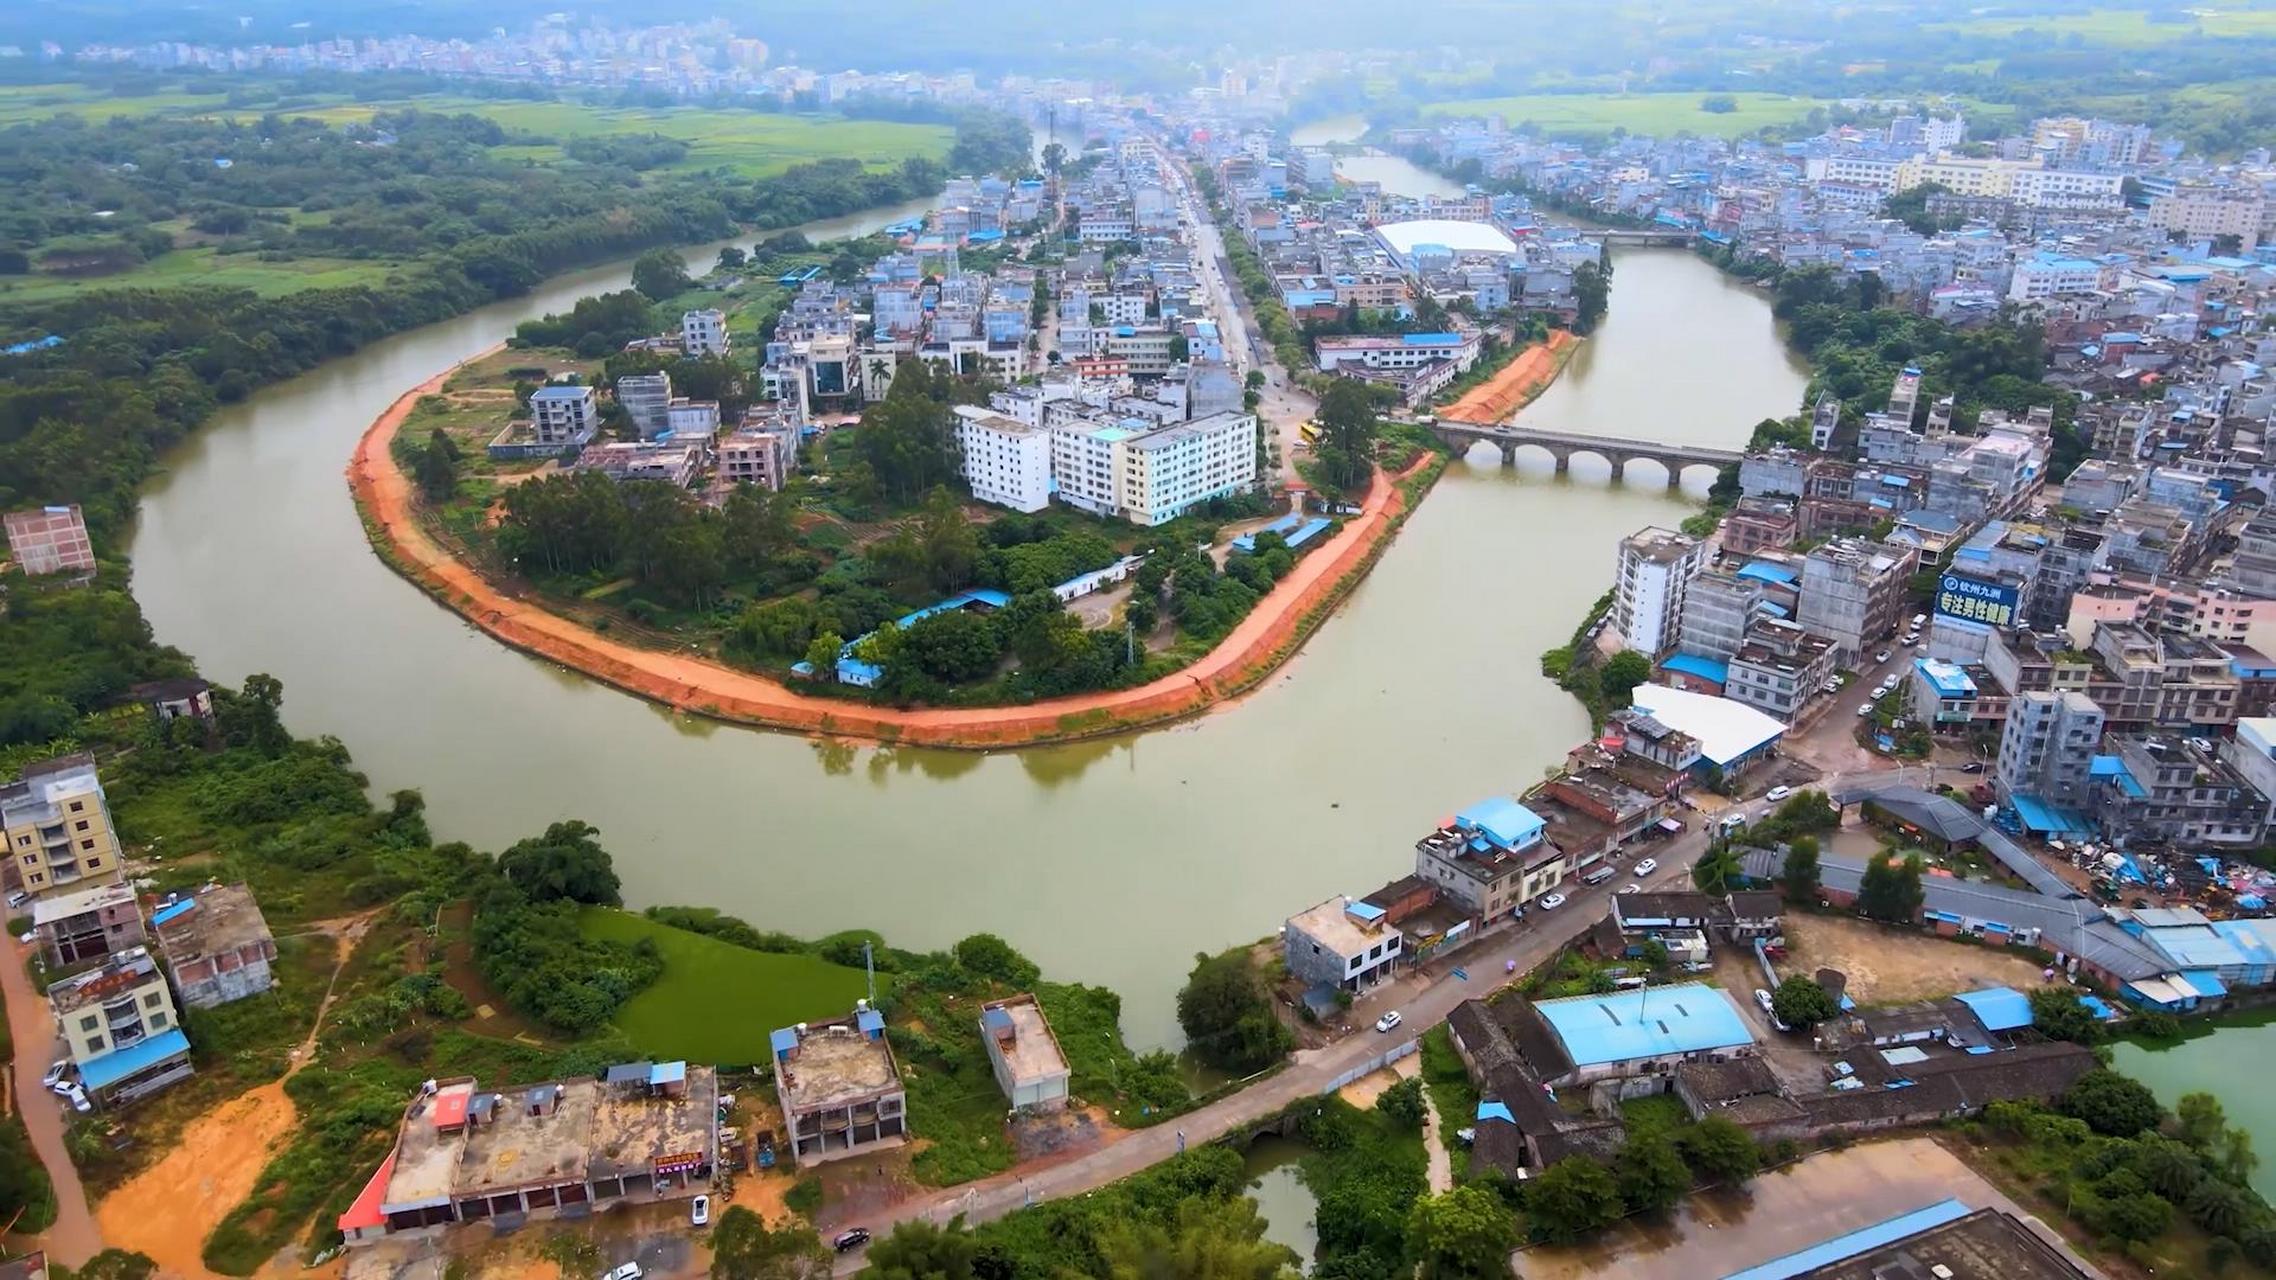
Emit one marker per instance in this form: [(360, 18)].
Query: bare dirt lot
[(1892, 966)]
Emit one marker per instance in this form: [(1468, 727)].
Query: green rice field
[(717, 1002), (202, 266), (1655, 114)]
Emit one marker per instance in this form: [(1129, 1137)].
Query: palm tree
[(2219, 1207), (2171, 1169)]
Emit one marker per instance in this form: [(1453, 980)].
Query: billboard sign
[(1975, 600)]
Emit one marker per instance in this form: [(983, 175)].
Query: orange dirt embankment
[(1269, 636), (1511, 389)]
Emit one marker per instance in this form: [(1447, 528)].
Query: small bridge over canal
[(1675, 459), (1676, 236)]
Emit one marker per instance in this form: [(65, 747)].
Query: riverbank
[(1516, 384), (1264, 640)]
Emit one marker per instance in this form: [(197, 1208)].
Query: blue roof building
[(1501, 823), (1632, 1032)]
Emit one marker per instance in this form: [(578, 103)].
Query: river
[(1109, 862)]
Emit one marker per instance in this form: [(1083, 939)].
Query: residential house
[(1030, 1067)]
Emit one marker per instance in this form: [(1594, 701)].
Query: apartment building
[(839, 1087), (760, 455), (704, 333), (2027, 182), (1006, 461), (1143, 350), (58, 828), (1342, 943), (1396, 351), (1492, 859), (1655, 568), (564, 415), (217, 944), (121, 1029), (87, 924), (2202, 213), (1718, 607), (2177, 790), (2047, 275), (1853, 592), (1780, 667), (647, 399), (49, 540), (2047, 747), (1167, 472)]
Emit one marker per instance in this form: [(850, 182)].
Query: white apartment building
[(2039, 278), (1656, 565), (564, 415), (1167, 472), (2204, 212), (1861, 171), (1084, 454), (763, 456), (1144, 351), (2024, 181), (1106, 226), (647, 400), (692, 419), (1397, 351), (1006, 461), (704, 333)]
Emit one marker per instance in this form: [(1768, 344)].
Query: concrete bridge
[(1675, 459), (1676, 236)]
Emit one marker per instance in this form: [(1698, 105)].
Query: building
[(121, 1029), (2047, 747), (640, 1132), (58, 829), (1169, 471), (562, 416), (1655, 568), (49, 540), (672, 461), (764, 456), (216, 944), (1006, 461), (1492, 859), (839, 1087), (1942, 1241), (647, 400), (1648, 1031), (1779, 668), (704, 333), (1722, 736), (87, 924), (1718, 607), (1341, 944), (2177, 790), (1853, 592), (2205, 213), (1396, 351), (1030, 1067)]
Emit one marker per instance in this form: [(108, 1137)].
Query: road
[(73, 1239)]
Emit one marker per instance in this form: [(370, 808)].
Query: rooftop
[(835, 1064), (1502, 822), (1332, 924), (1987, 1244), (122, 972), (1726, 730), (1648, 1023), (1024, 1038), (63, 906), (217, 919), (1403, 238)]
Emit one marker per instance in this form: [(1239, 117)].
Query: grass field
[(2126, 28), (202, 266), (24, 102), (1656, 114), (716, 1002)]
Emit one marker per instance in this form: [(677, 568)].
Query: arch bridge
[(1562, 445)]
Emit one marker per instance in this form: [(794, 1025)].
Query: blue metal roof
[(782, 1040), (1692, 664), (869, 1022), (1764, 571), (1364, 910), (173, 911), (1834, 1250), (996, 1019), (2205, 983), (1495, 1111), (1430, 339), (1998, 1008), (668, 1073), (1503, 822), (101, 1073), (1649, 1023)]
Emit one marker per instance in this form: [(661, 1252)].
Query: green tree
[(1227, 1015), (822, 655), (921, 1250), (1891, 891), (1718, 870), (2136, 1217), (1205, 1238), (988, 956), (1801, 1003), (436, 472), (1622, 672), (2058, 1014), (1463, 1234), (949, 541), (2198, 1119), (1573, 1199), (659, 274), (27, 1199), (1402, 1104), (1800, 876), (566, 862), (2222, 1208), (1592, 296), (951, 647), (1719, 1150), (1650, 1173), (1348, 427), (1054, 157), (2114, 1105), (744, 1247), (254, 716)]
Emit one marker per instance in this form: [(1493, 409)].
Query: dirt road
[(1269, 636), (73, 1238), (1493, 401)]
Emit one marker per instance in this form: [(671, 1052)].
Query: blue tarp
[(101, 1073)]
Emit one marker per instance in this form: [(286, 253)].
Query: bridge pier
[(1563, 459), (1619, 469), (1674, 477), (1509, 455)]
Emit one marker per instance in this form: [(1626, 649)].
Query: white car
[(1388, 1021), (1647, 866), (1762, 998), (1882, 656), (76, 1096), (1778, 793), (1552, 901), (1864, 709), (699, 1211), (55, 1073), (1919, 620), (1631, 887), (629, 1271)]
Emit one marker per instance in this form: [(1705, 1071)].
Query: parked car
[(1552, 901), (1631, 887), (629, 1271), (1919, 620), (1779, 792), (699, 1211), (17, 899), (1762, 998), (55, 1073), (1973, 766), (1883, 656), (1388, 1021), (1647, 866), (850, 1240), (1864, 709), (77, 1097)]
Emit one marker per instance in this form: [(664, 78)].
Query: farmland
[(2124, 28), (717, 1002), (1655, 114)]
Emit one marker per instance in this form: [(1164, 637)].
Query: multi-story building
[(760, 455), (1778, 668), (87, 924), (1655, 568), (1758, 525), (217, 945), (1493, 859), (704, 333), (2047, 747), (1006, 461), (1718, 607), (1030, 1066), (49, 540), (563, 416), (121, 1029), (1143, 349), (1167, 472), (2178, 790), (647, 400), (1342, 943), (2206, 212), (58, 828), (839, 1087), (1397, 351), (1853, 592), (2045, 276)]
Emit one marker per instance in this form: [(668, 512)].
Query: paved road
[(73, 1239)]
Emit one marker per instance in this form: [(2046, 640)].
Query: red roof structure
[(365, 1212)]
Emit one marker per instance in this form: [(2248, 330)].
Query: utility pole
[(869, 971)]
